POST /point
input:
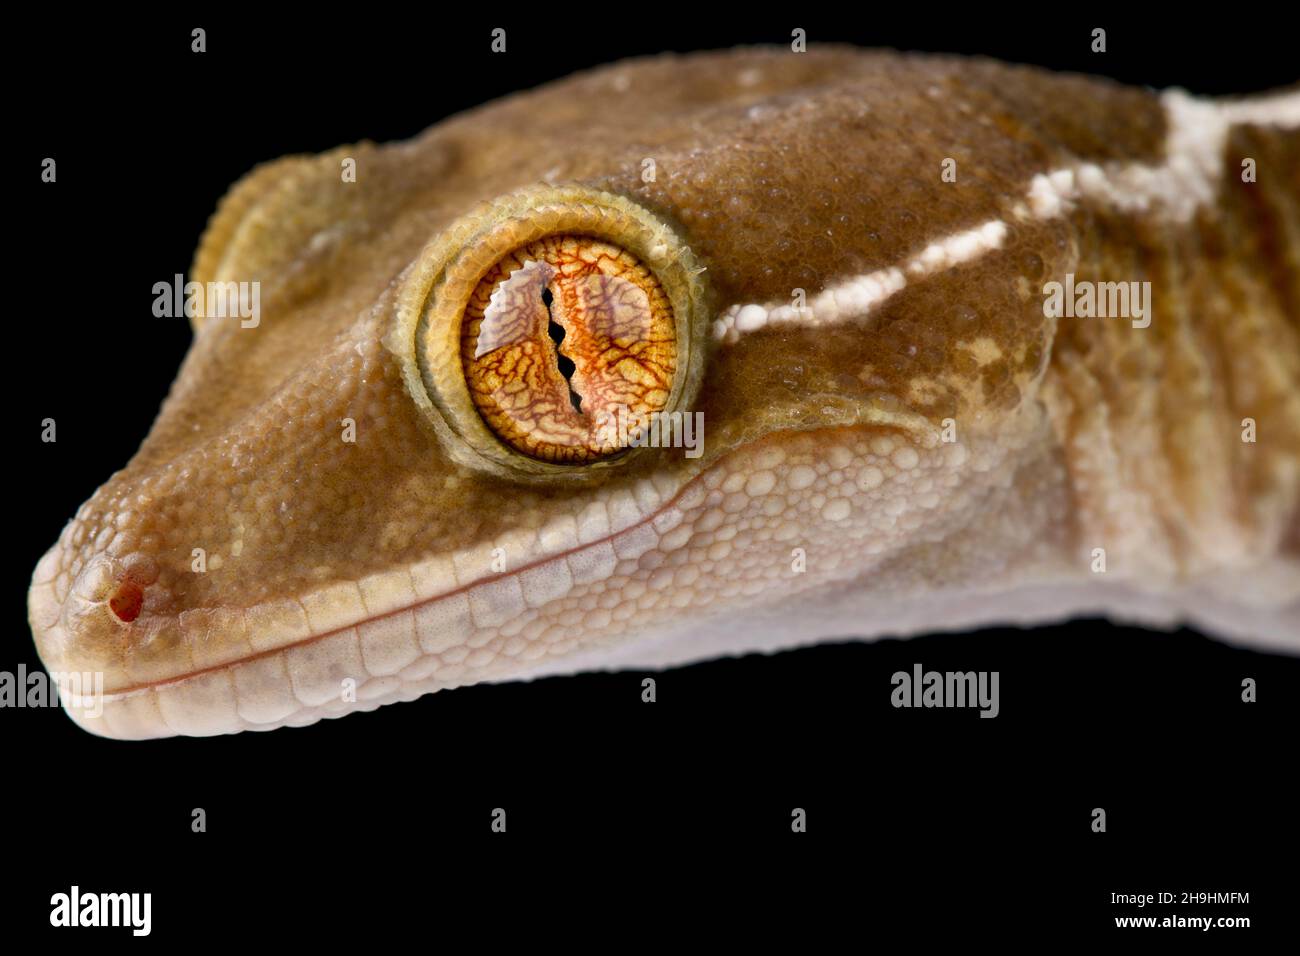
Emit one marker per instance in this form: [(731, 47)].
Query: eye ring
[(432, 300)]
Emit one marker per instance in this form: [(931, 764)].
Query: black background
[(918, 820)]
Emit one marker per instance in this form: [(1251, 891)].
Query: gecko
[(700, 355)]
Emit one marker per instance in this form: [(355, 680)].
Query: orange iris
[(562, 337)]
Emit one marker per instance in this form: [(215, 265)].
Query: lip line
[(140, 688)]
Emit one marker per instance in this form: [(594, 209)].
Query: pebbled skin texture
[(388, 563)]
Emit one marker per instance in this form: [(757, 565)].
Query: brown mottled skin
[(778, 171)]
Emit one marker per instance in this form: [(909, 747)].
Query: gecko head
[(578, 371)]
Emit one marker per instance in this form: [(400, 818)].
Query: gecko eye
[(561, 338), (537, 331)]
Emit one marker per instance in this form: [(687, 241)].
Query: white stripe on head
[(1183, 183)]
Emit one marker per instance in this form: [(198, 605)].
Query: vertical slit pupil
[(566, 365)]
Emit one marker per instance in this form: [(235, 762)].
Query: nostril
[(118, 583), (107, 618), (126, 601)]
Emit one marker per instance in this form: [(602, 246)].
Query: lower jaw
[(722, 543)]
